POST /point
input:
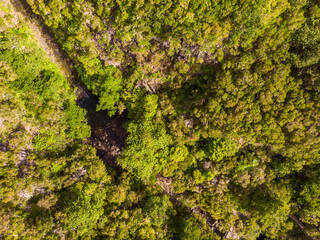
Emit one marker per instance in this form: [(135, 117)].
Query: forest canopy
[(220, 102)]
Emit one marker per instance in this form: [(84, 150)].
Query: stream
[(107, 133)]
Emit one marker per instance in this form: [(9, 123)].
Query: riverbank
[(107, 134)]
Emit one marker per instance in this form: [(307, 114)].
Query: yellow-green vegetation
[(222, 99)]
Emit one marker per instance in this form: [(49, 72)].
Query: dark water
[(261, 237), (107, 133), (89, 104)]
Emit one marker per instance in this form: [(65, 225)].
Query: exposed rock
[(231, 234), (207, 164), (189, 123), (26, 194), (23, 154)]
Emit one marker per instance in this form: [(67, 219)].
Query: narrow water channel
[(107, 133)]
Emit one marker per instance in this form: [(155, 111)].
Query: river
[(107, 134)]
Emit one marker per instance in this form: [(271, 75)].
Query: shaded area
[(107, 134)]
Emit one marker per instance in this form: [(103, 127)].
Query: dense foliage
[(52, 184), (222, 100)]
